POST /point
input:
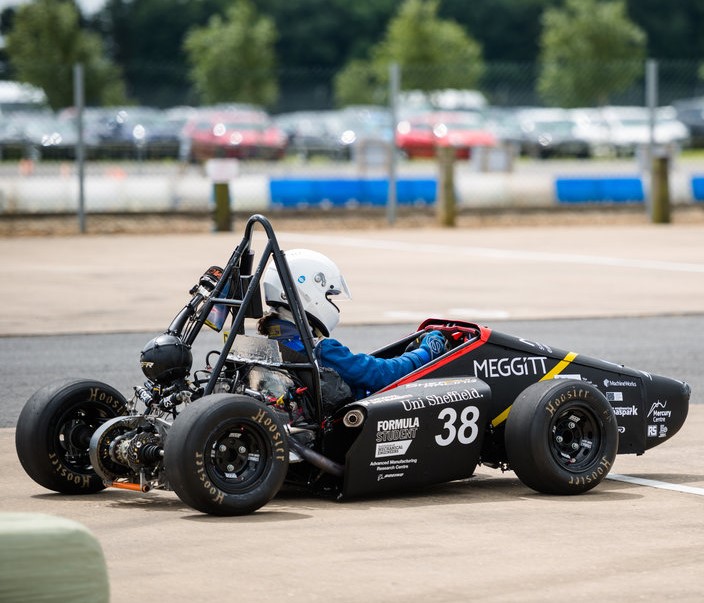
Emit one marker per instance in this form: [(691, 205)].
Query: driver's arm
[(369, 373)]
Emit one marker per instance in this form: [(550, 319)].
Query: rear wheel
[(561, 436), (226, 455), (54, 431)]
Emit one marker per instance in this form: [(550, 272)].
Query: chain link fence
[(158, 157)]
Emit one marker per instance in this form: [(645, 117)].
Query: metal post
[(656, 159), (446, 203), (394, 85), (79, 101), (660, 189), (222, 214), (651, 101)]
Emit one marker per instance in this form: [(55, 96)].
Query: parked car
[(49, 137), (629, 128), (551, 133), (590, 126), (238, 133), (136, 131), (690, 112), (13, 141), (419, 136), (314, 133)]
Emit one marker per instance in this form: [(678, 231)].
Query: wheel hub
[(575, 439)]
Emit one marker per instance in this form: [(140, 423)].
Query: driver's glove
[(434, 344)]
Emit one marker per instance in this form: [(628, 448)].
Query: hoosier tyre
[(226, 455), (561, 437), (54, 430)]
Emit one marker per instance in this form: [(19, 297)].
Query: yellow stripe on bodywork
[(559, 367), (556, 370)]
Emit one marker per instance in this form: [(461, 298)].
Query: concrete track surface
[(488, 538)]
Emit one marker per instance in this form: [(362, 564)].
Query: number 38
[(467, 430)]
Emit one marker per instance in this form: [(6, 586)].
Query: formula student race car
[(227, 437)]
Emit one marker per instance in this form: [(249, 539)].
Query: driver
[(317, 279)]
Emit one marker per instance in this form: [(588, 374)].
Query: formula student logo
[(394, 436)]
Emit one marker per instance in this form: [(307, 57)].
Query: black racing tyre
[(561, 436), (54, 430), (226, 455)]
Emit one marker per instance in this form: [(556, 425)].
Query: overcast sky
[(87, 6)]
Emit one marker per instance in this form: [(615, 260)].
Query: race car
[(228, 436)]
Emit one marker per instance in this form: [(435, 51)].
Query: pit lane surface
[(487, 538)]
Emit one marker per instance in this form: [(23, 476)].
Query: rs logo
[(467, 430)]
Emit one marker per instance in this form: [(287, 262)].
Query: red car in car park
[(240, 134), (419, 135)]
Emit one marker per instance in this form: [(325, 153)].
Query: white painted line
[(651, 483), (496, 254)]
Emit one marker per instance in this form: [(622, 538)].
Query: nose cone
[(667, 405)]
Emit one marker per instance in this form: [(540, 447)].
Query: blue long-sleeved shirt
[(365, 373)]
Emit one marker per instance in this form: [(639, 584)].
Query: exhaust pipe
[(315, 458)]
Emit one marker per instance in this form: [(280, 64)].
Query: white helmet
[(317, 278)]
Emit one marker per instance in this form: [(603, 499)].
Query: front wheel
[(561, 437), (54, 431), (226, 455)]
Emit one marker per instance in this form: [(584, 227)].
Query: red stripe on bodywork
[(484, 333)]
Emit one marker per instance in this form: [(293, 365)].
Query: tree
[(233, 59), (44, 44), (433, 53), (589, 51)]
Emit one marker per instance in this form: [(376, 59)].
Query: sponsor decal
[(535, 344), (658, 412), (510, 367), (439, 399), (392, 430), (390, 468), (626, 411), (612, 383), (440, 383), (657, 431), (398, 448), (615, 397), (621, 429), (386, 398), (394, 436), (576, 376)]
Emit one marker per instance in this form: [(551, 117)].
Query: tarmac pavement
[(484, 539)]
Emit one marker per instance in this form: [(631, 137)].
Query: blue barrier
[(698, 188), (338, 192), (625, 189)]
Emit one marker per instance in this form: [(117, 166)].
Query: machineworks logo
[(612, 383)]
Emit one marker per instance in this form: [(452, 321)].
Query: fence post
[(221, 172), (79, 101), (446, 202), (222, 216), (660, 189), (394, 86)]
